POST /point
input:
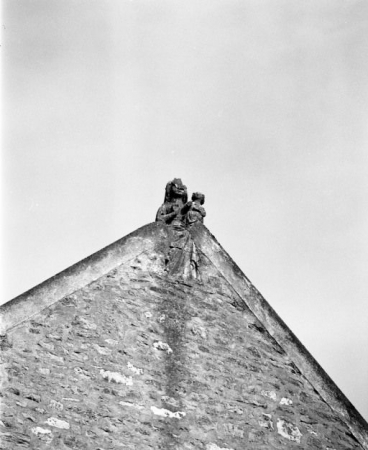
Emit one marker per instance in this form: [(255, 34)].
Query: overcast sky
[(261, 105)]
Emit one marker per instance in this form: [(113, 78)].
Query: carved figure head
[(176, 189), (198, 196)]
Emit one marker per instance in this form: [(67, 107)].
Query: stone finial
[(179, 214), (176, 210)]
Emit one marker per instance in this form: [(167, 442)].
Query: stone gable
[(136, 359)]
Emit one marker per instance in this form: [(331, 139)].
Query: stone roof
[(116, 353)]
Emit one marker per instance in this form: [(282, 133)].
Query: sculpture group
[(180, 215)]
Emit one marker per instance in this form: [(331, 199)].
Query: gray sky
[(261, 105)]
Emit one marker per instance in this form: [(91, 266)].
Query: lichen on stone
[(288, 430), (116, 377), (158, 345), (166, 413), (55, 422), (286, 401), (134, 369), (212, 446)]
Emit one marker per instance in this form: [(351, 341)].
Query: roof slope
[(113, 353)]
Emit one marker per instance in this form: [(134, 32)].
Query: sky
[(261, 105)]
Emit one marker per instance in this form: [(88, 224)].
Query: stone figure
[(196, 212), (175, 205), (182, 258)]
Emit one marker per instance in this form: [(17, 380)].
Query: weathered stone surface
[(285, 340), (136, 359), (179, 215), (144, 246)]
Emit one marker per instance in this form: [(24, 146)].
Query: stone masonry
[(140, 360)]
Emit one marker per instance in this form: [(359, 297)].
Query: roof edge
[(80, 274), (305, 362)]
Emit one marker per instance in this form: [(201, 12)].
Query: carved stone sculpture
[(196, 212), (175, 205), (179, 214)]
